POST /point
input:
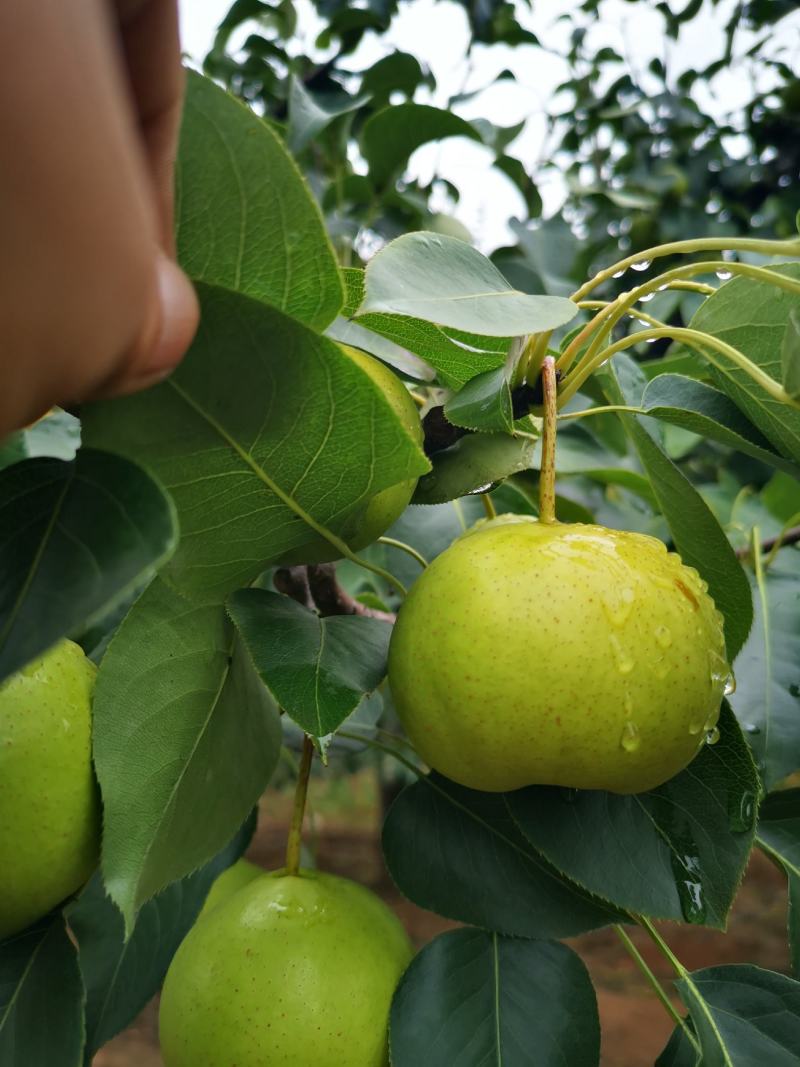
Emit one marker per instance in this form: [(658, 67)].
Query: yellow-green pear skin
[(558, 654), (291, 971), (237, 876), (49, 807), (368, 522)]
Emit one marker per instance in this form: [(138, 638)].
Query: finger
[(150, 44)]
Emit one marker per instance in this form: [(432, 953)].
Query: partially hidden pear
[(558, 654), (289, 971), (49, 807)]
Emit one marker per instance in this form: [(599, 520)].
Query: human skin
[(557, 654), (290, 970), (91, 301)]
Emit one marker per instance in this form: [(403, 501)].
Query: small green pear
[(49, 809), (369, 521), (290, 971), (240, 874), (558, 654)]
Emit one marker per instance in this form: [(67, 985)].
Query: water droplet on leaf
[(742, 812)]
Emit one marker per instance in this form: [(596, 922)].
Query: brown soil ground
[(635, 1026)]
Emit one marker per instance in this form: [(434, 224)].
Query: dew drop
[(625, 662), (742, 812), (627, 702), (651, 340), (643, 264), (661, 288), (751, 728), (688, 879), (647, 297), (730, 685), (724, 275), (642, 322), (712, 736), (630, 739), (663, 636), (618, 274), (695, 726), (617, 609)]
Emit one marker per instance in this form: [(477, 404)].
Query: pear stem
[(488, 506), (657, 987), (300, 794), (547, 472)]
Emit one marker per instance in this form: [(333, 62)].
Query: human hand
[(91, 301)]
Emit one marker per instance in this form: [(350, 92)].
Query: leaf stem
[(568, 416), (547, 471), (702, 244), (662, 946), (657, 987), (408, 549), (372, 743), (300, 794)]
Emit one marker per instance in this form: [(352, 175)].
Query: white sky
[(437, 34)]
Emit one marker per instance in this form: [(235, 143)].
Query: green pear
[(291, 971), (558, 654), (236, 877), (49, 809), (368, 522)]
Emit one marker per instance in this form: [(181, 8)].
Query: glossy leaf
[(472, 997), (121, 976), (779, 836), (392, 134), (698, 536), (752, 316), (743, 1016), (706, 411), (245, 218), (76, 538), (676, 852), (445, 281), (458, 852), (186, 738), (472, 464), (41, 998), (317, 669), (264, 432), (767, 697)]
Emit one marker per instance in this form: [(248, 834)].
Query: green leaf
[(75, 539), (767, 697), (472, 997), (706, 411), (186, 738), (445, 281), (456, 355), (516, 171), (121, 976), (309, 115), (474, 464), (317, 669), (41, 998), (676, 852), (752, 316), (392, 134), (778, 835), (265, 431), (790, 355), (485, 403), (742, 1015), (698, 537), (459, 853), (245, 218)]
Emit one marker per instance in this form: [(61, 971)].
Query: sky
[(436, 32)]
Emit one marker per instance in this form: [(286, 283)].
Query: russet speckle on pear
[(558, 654), (289, 971), (49, 807)]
